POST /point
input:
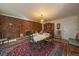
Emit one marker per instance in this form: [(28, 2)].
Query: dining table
[(38, 37)]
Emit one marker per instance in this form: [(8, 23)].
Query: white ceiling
[(31, 11)]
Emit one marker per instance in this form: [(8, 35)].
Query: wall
[(30, 26), (78, 22), (0, 29), (55, 22), (12, 27), (69, 27)]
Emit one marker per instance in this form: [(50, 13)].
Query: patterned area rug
[(26, 49)]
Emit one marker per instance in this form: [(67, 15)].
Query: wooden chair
[(51, 34), (30, 35), (34, 45)]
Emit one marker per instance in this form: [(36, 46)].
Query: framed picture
[(58, 26)]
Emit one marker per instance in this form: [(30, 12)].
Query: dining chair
[(30, 34), (34, 45)]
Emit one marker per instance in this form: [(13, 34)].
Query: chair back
[(30, 34)]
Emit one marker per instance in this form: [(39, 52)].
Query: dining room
[(37, 29)]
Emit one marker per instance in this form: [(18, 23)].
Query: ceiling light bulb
[(42, 20)]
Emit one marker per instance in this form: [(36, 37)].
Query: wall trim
[(18, 18)]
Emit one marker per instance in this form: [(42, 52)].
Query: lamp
[(42, 22)]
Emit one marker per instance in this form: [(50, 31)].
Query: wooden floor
[(65, 45), (69, 50), (73, 50)]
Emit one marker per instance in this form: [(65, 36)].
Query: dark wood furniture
[(18, 41), (69, 49), (49, 27), (3, 41), (73, 50)]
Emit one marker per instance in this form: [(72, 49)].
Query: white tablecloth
[(39, 37)]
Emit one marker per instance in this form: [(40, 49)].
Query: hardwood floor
[(73, 50), (69, 50), (64, 43)]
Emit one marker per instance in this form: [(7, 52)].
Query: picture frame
[(58, 26)]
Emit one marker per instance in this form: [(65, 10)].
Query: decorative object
[(21, 35), (77, 37), (58, 32), (10, 24)]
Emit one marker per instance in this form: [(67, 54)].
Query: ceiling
[(33, 11)]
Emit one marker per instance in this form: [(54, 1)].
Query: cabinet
[(73, 50), (49, 27)]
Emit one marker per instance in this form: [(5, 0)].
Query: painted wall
[(69, 27), (78, 22)]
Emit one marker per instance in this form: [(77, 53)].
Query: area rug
[(25, 49)]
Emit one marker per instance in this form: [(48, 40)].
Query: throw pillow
[(77, 37)]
